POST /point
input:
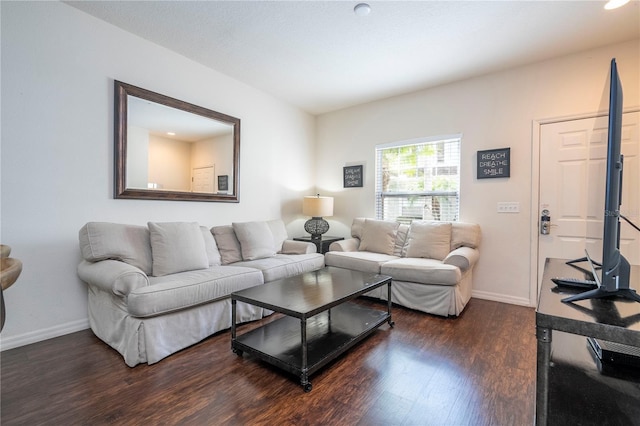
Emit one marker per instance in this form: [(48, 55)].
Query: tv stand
[(569, 387), (599, 293)]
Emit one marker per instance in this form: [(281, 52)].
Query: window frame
[(380, 196)]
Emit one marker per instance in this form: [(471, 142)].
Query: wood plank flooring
[(477, 369)]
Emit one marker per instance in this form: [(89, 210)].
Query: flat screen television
[(615, 269)]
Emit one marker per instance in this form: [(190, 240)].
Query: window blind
[(418, 180)]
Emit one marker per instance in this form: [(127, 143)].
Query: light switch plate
[(508, 207)]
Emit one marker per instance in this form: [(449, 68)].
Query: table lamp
[(317, 207)]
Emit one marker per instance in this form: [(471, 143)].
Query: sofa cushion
[(429, 240), (127, 243), (401, 236), (210, 245), (378, 236), (357, 260), (357, 226), (297, 247), (284, 265), (228, 244), (186, 289), (465, 235), (177, 247), (424, 271), (401, 239), (279, 232), (256, 240)]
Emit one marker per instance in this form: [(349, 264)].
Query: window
[(418, 179)]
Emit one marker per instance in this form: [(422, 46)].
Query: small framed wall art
[(223, 183), (352, 176), (494, 163)]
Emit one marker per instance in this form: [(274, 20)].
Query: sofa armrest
[(349, 244), (112, 276), (297, 247), (463, 257)]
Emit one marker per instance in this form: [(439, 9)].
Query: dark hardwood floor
[(477, 369)]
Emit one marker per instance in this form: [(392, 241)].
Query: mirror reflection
[(169, 149)]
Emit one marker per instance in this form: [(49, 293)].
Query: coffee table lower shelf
[(327, 335)]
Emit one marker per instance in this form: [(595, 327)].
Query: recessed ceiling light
[(171, 133), (614, 4), (363, 9)]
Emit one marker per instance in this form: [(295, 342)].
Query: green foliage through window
[(418, 180)]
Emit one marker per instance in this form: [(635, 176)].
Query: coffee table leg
[(304, 377), (390, 321), (233, 327)]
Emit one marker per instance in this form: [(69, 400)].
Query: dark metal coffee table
[(321, 321)]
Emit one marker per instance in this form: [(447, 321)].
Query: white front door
[(202, 180), (572, 187)]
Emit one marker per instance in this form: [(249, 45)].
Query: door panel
[(202, 180), (572, 187)]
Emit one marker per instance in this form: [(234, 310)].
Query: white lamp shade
[(315, 206)]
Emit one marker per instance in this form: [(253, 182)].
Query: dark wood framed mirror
[(167, 149)]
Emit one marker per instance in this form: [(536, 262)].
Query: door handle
[(545, 222)]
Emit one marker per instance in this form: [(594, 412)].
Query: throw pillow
[(210, 245), (401, 240), (429, 240), (256, 240), (177, 247), (279, 232), (356, 227), (465, 235), (378, 236), (127, 243), (228, 244)]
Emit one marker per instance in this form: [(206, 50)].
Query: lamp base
[(316, 226)]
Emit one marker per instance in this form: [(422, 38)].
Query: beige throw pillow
[(465, 235), (378, 236), (127, 243), (429, 240), (256, 240), (401, 239), (210, 245), (356, 227), (279, 232), (177, 247), (228, 244)]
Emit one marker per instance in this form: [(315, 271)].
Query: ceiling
[(172, 123), (321, 56)]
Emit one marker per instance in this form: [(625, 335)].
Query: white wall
[(493, 111), (138, 154), (170, 163), (217, 151), (58, 67)]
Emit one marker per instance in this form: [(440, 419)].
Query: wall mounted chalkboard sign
[(223, 183), (494, 163), (352, 176)]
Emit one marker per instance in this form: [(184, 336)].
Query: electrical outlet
[(508, 207)]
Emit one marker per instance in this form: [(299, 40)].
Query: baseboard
[(501, 298), (45, 334)]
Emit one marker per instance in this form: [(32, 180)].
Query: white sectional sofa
[(157, 289), (431, 262)]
